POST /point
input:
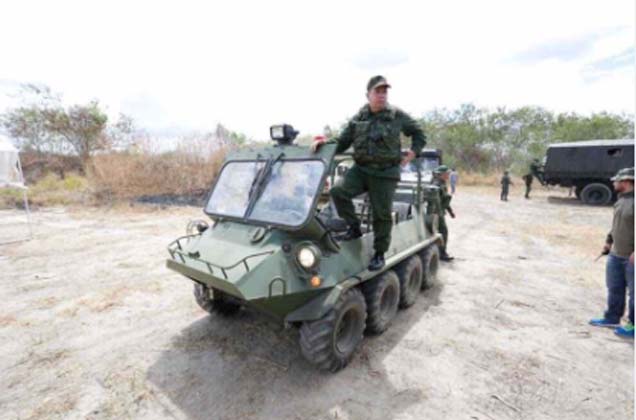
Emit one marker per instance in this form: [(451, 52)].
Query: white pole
[(26, 199)]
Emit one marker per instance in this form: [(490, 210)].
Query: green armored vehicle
[(274, 246)]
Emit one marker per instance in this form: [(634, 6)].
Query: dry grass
[(189, 169)]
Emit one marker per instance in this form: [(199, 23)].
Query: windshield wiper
[(258, 186)]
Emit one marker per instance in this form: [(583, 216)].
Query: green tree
[(571, 127), (479, 139), (81, 126), (27, 123)]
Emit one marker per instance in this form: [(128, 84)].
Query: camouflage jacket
[(444, 196), (375, 138)]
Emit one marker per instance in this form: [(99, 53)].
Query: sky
[(179, 67)]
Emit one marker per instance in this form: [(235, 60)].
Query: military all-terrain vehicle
[(588, 166), (272, 247)]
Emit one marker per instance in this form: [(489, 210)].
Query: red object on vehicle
[(320, 138)]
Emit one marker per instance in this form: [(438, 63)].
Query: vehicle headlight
[(308, 257)]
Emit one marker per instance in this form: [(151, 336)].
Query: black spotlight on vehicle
[(283, 134)]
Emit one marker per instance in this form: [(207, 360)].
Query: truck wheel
[(382, 295), (596, 194), (410, 275), (217, 303), (329, 342), (430, 263)]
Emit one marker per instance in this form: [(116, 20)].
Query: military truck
[(587, 166), (271, 246)]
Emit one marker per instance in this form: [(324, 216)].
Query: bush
[(50, 190)]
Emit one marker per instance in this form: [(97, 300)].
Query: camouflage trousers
[(443, 229), (381, 192), (504, 193)]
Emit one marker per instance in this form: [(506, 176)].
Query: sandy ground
[(94, 326)]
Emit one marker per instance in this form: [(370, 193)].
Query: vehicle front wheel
[(215, 303), (329, 342), (383, 297)]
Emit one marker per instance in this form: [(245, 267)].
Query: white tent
[(11, 175)]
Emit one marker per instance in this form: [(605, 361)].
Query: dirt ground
[(94, 326)]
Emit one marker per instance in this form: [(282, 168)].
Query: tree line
[(482, 140), (471, 138)]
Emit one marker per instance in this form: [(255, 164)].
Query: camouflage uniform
[(505, 186), (527, 178), (375, 138), (536, 169), (445, 199)]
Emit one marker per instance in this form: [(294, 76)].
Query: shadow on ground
[(246, 367), (571, 201)]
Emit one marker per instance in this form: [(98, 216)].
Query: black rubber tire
[(430, 265), (596, 194), (329, 342), (382, 295), (410, 274), (217, 303)]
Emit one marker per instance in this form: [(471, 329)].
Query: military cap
[(625, 174), (376, 81), (441, 169)]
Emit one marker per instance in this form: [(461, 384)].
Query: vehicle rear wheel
[(382, 295), (430, 264), (217, 303), (329, 342), (410, 275), (596, 194)]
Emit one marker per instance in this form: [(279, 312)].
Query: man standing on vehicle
[(619, 248), (374, 133), (441, 175)]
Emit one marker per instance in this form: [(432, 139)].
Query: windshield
[(426, 164), (232, 191), (285, 198)]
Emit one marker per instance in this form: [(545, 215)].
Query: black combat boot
[(377, 262), (352, 233), (445, 257)]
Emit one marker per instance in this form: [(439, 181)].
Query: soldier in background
[(441, 174), (527, 178), (536, 169), (505, 186), (453, 180)]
